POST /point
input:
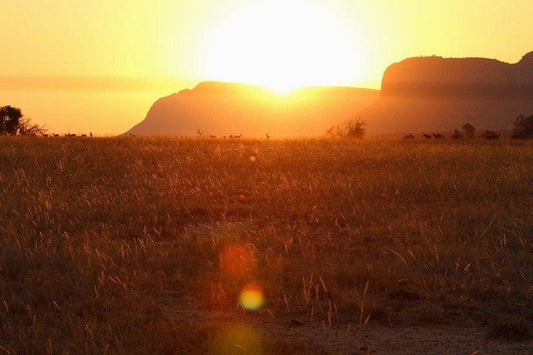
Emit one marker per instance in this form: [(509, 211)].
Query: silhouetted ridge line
[(441, 94), (219, 108)]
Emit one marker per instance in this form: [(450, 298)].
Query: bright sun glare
[(283, 45)]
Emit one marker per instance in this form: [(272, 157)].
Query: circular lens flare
[(251, 297)]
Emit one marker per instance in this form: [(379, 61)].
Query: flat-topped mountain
[(435, 93), (228, 108), (417, 94)]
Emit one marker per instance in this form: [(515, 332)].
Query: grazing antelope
[(438, 136), (268, 136), (409, 136), (56, 135), (212, 136), (45, 135), (84, 135), (427, 136), (239, 136), (91, 133), (231, 137)]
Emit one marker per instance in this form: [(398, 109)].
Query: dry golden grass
[(126, 244)]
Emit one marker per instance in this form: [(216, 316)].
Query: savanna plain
[(176, 245)]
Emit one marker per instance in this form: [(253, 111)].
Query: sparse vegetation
[(354, 128), (132, 244)]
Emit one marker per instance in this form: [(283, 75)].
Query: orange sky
[(279, 44)]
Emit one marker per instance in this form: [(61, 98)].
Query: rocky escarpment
[(435, 93)]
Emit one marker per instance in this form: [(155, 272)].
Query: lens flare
[(251, 297)]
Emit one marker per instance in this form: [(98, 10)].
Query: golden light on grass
[(236, 260), (252, 297)]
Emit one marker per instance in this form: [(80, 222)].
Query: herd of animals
[(428, 136), (437, 136), (490, 135), (65, 135)]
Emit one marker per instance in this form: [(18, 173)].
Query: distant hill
[(440, 94), (227, 108), (417, 94)]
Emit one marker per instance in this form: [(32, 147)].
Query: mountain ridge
[(417, 94), (223, 108), (440, 94)]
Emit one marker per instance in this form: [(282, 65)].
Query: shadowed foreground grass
[(124, 245)]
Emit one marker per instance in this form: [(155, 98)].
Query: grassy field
[(144, 245)]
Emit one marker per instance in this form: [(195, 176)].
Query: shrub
[(354, 128)]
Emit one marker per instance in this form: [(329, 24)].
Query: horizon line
[(105, 83)]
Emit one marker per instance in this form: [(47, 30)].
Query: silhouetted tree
[(470, 131), (9, 120), (12, 122), (523, 127)]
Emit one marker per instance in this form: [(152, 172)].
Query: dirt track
[(373, 338)]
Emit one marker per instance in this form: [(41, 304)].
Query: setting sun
[(283, 45)]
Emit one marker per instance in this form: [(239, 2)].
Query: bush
[(523, 127), (354, 128)]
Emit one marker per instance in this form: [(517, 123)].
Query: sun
[(283, 45)]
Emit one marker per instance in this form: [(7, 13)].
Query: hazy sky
[(277, 43), (175, 38)]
